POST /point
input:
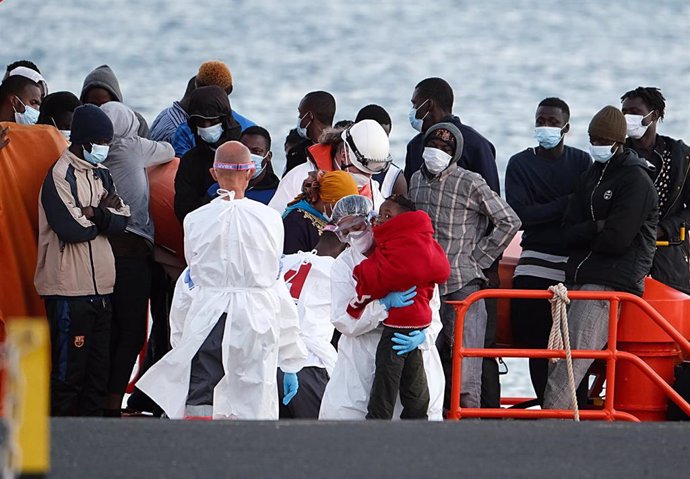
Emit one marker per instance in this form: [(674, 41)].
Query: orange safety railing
[(611, 355)]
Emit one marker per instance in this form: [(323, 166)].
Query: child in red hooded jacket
[(406, 256)]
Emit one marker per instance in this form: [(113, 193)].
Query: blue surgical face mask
[(28, 117), (601, 154), (302, 131), (548, 136), (212, 134), (258, 161), (415, 122), (97, 155)]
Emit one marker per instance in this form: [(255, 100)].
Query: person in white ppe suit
[(308, 277), (233, 321), (347, 393)]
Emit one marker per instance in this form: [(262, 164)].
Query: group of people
[(322, 293)]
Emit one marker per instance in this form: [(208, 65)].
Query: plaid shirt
[(462, 206)]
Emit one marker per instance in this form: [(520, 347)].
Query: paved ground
[(151, 448)]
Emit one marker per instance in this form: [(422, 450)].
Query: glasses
[(349, 225)]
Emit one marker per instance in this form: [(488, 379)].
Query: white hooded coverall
[(233, 250)]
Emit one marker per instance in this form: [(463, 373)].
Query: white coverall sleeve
[(436, 325), (182, 300), (292, 352), (342, 292)]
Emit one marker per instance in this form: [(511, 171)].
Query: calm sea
[(501, 57)]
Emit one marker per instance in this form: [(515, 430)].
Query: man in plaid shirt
[(474, 225)]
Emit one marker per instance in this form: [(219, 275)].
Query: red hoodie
[(406, 255)]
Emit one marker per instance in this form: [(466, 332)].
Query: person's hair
[(437, 89), (651, 97), (403, 202), (56, 104), (292, 137), (344, 124), (321, 104), (15, 85), (21, 63), (376, 113), (556, 103), (259, 131)]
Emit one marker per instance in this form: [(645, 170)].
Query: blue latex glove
[(399, 299), (188, 279), (213, 190), (406, 343), (290, 387)]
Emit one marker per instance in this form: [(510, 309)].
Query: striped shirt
[(462, 206), (541, 265), (166, 123)]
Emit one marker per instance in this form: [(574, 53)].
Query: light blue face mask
[(548, 136), (302, 132), (97, 155), (415, 122), (258, 161), (28, 117), (212, 134), (601, 154)]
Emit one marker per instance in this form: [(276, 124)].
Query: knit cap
[(214, 72), (609, 124), (90, 125)]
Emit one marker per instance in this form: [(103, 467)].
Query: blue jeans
[(474, 330)]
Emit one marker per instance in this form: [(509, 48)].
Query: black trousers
[(79, 343), (307, 402), (207, 367), (395, 374), (491, 385), (162, 290), (130, 317)]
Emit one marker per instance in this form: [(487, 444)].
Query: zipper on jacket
[(577, 270), (93, 268), (591, 196)]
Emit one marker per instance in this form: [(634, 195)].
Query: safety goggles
[(350, 225)]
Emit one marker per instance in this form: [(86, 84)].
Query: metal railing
[(610, 354)]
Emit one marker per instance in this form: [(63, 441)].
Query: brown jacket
[(74, 255)]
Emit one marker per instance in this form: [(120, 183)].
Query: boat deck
[(153, 448)]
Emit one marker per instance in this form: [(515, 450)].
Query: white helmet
[(367, 146)]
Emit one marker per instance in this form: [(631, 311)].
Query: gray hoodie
[(128, 158), (103, 77)]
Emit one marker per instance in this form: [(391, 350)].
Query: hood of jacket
[(102, 77), (125, 122)]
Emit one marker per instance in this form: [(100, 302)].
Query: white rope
[(559, 338)]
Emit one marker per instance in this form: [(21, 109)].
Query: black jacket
[(297, 155), (671, 262), (478, 154), (193, 177), (610, 224)]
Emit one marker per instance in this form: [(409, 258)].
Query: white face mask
[(435, 160), (636, 129), (362, 240), (601, 154), (66, 134), (360, 179), (548, 137), (212, 134)]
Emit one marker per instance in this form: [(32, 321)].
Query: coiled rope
[(559, 338)]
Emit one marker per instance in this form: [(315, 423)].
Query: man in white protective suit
[(233, 321), (308, 277), (348, 391)]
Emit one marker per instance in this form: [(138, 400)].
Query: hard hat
[(367, 146)]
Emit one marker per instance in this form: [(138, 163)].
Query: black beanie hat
[(90, 125)]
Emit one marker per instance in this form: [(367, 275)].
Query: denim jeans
[(588, 325), (474, 330)]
